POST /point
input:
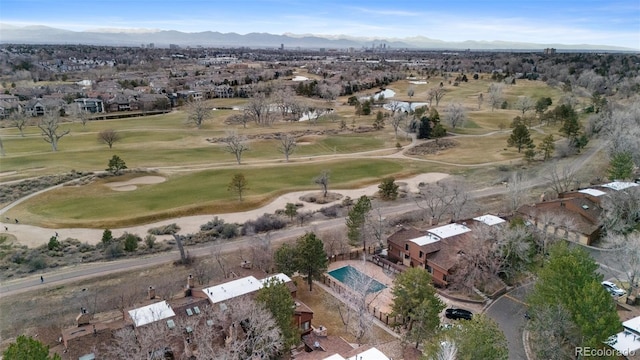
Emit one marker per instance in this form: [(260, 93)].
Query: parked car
[(613, 289), (456, 314)]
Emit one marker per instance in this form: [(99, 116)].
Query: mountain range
[(10, 34)]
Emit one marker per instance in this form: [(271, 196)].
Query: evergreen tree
[(388, 189), (311, 258), (424, 128), (547, 147), (27, 348), (415, 300), (570, 279), (480, 338), (276, 297), (520, 137), (356, 220), (621, 166), (116, 164)]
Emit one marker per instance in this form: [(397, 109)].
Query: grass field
[(198, 171), (202, 192)]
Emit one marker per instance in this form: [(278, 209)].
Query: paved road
[(508, 311)]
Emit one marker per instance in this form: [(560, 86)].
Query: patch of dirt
[(318, 197), (432, 147)]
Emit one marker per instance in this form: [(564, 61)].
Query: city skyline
[(571, 22)]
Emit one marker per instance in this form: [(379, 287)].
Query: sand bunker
[(131, 185)]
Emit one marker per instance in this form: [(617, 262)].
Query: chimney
[(151, 292), (190, 282), (83, 318)]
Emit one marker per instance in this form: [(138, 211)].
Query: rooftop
[(424, 240), (151, 313), (449, 230), (592, 192), (489, 219), (282, 277), (633, 324), (619, 185), (232, 289)]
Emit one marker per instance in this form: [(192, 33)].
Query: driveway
[(508, 311)]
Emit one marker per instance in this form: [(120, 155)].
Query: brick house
[(436, 249), (575, 215)]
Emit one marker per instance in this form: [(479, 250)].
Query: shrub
[(53, 244), (266, 222), (130, 242), (114, 251), (165, 230), (215, 224), (37, 263), (107, 236), (331, 211), (150, 240), (229, 231)]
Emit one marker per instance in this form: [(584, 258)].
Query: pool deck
[(383, 299)]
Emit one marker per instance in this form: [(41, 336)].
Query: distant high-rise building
[(151, 45), (281, 46), (549, 51), (173, 46)]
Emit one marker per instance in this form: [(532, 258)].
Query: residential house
[(437, 249), (91, 105), (627, 342), (39, 106), (183, 309), (9, 104), (575, 215)]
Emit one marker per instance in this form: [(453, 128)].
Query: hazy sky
[(599, 22)]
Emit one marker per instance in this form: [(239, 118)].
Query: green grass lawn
[(166, 142), (204, 192)]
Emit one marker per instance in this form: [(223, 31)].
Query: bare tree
[(335, 241), (495, 95), (436, 93), (49, 126), (109, 137), (238, 119), (20, 121), (323, 181), (554, 335), (397, 121), (261, 252), (443, 197), (81, 114), (621, 211), (480, 100), (455, 115), (376, 226), (197, 113), (516, 191), (259, 109), (236, 145), (627, 257), (410, 92), (561, 179), (287, 145), (524, 104), (394, 106)]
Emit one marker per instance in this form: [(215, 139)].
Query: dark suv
[(457, 314)]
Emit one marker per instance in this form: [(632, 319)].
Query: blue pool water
[(351, 277)]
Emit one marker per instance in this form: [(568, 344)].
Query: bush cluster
[(169, 229), (264, 223), (14, 191)]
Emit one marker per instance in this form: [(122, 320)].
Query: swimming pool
[(354, 279)]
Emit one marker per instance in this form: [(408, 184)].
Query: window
[(421, 254), (305, 325), (429, 269), (406, 247)]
